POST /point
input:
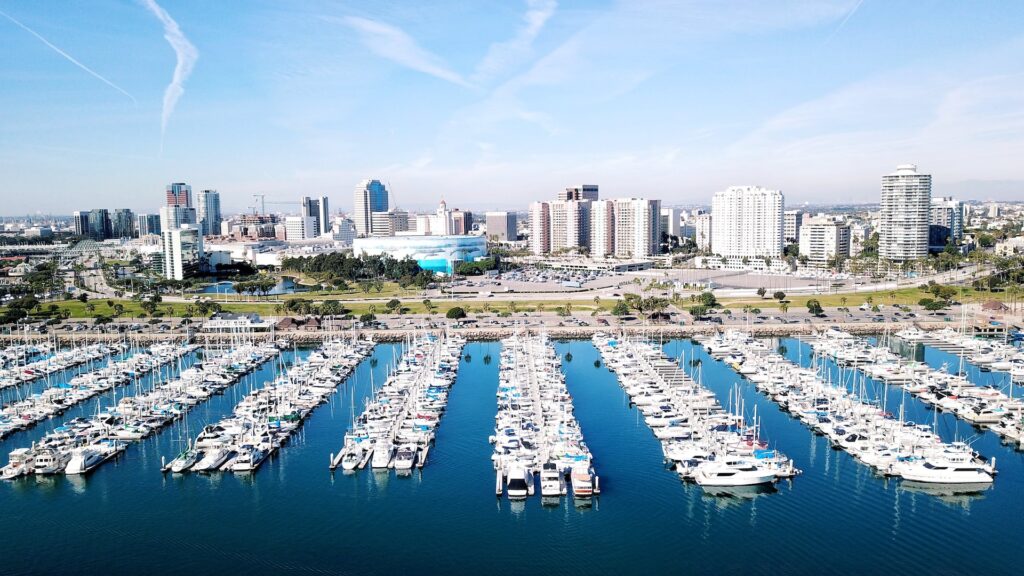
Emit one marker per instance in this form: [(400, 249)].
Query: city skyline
[(447, 100)]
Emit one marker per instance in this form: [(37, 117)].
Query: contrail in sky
[(187, 55), (69, 57)]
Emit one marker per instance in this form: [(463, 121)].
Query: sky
[(494, 104)]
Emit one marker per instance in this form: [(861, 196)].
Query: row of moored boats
[(850, 418), (536, 434), (58, 362), (263, 420), (705, 443), (399, 422), (82, 444), (26, 412)]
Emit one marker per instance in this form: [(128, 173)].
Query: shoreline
[(491, 334)]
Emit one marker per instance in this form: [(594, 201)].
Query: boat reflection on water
[(727, 494), (952, 494), (551, 500)]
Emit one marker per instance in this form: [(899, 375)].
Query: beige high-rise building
[(540, 228), (637, 227), (822, 238)]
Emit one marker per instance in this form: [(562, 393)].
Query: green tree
[(814, 307), (393, 304), (620, 308), (762, 291), (779, 295), (455, 313)]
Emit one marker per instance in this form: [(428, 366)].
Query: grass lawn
[(903, 296)]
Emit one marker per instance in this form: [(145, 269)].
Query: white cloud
[(186, 54), (503, 55), (394, 44)]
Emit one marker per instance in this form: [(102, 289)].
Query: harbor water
[(293, 516)]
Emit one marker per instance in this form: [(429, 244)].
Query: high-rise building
[(172, 217), (637, 227), (791, 222), (389, 223), (208, 213), (823, 238), (300, 227), (462, 222), (702, 231), (148, 224), (370, 196), (122, 223), (747, 222), (323, 216), (80, 222), (540, 228), (602, 228), (99, 224), (179, 194), (671, 221), (570, 225), (501, 226), (183, 252), (905, 214), (949, 214), (579, 192)]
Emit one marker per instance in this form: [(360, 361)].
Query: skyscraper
[(324, 216), (183, 252), (791, 222), (179, 194), (172, 217), (300, 227), (570, 225), (602, 228), (122, 224), (80, 222), (905, 214), (148, 224), (746, 222), (370, 196), (579, 192), (540, 228), (99, 224), (948, 213), (208, 213)]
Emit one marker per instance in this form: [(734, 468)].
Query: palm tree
[(784, 307), (842, 300)]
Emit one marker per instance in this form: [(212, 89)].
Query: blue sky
[(494, 104)]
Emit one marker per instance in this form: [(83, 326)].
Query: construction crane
[(263, 202)]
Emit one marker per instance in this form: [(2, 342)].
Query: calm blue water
[(294, 516), (285, 286)]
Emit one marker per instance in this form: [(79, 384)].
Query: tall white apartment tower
[(747, 222), (540, 228), (905, 214), (602, 228), (570, 225)]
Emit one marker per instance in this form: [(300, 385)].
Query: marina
[(264, 419), (56, 364), (448, 520), (717, 449), (58, 397), (399, 423), (537, 438), (850, 417), (981, 406), (987, 354), (81, 444)]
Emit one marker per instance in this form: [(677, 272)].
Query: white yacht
[(519, 483), (212, 460), (20, 464), (732, 472), (249, 458), (383, 450), (185, 460), (952, 469), (352, 458), (405, 458), (50, 461), (552, 482), (84, 459), (582, 481)]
